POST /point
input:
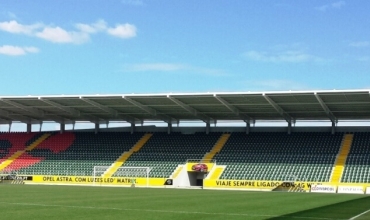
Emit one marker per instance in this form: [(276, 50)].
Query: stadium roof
[(330, 105)]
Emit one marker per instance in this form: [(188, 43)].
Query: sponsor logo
[(14, 177), (200, 167), (168, 182), (351, 189), (323, 188)]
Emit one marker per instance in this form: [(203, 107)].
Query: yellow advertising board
[(123, 181), (264, 185), (251, 184)]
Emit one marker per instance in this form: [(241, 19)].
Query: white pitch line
[(354, 217), (167, 211)]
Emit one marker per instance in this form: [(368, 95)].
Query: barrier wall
[(270, 185), (251, 184), (367, 190), (88, 180), (351, 189), (207, 183), (323, 189)]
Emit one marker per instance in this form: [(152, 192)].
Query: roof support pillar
[(62, 128), (29, 128), (10, 127), (289, 127), (248, 127), (332, 127), (208, 125), (132, 128), (40, 126), (96, 128), (169, 128)]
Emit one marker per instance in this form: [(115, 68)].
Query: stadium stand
[(164, 152), (357, 168), (18, 143), (280, 156), (77, 153), (277, 156)]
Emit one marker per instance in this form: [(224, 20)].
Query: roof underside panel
[(306, 105)]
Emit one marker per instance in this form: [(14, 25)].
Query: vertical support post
[(169, 128), (289, 127), (96, 128), (147, 177), (132, 128), (62, 128), (29, 128), (73, 125), (208, 125), (10, 126), (248, 127), (332, 128), (40, 126)]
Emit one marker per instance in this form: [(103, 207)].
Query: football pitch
[(78, 202)]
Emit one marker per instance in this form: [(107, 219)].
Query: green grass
[(78, 202)]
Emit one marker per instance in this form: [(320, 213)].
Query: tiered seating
[(5, 145), (164, 152), (357, 168), (256, 156), (23, 161), (17, 141), (13, 142), (78, 153), (280, 156)]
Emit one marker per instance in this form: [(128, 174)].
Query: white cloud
[(123, 31), (274, 85), (360, 44), (364, 59), (16, 28), (59, 35), (172, 67), (334, 5), (338, 4), (289, 56), (133, 2), (17, 51), (12, 15), (98, 26), (31, 49), (164, 67)]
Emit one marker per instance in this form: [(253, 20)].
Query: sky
[(159, 46)]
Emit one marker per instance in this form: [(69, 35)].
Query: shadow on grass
[(342, 210)]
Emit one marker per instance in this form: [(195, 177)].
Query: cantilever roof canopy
[(330, 105)]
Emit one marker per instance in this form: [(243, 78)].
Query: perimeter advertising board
[(367, 190), (351, 189), (254, 185), (84, 180), (323, 189)]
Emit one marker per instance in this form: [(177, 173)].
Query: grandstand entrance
[(196, 178)]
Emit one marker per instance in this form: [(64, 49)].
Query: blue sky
[(152, 46)]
